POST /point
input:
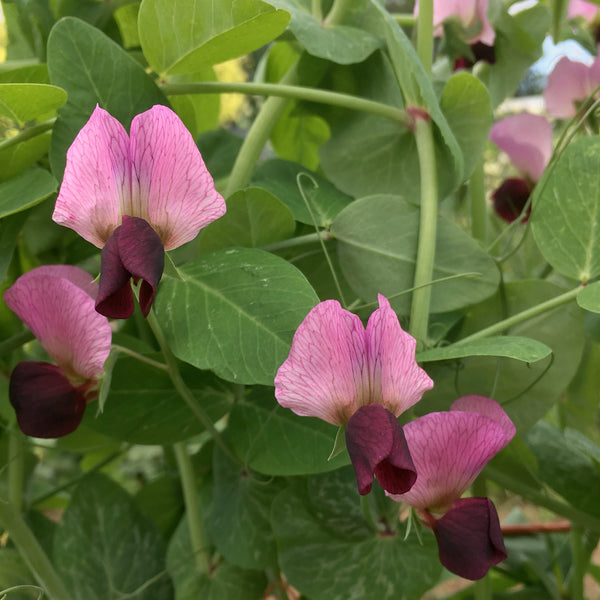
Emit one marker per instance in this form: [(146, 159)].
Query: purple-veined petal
[(569, 81), (487, 407), (134, 250), (45, 402), (527, 139), (96, 179), (377, 447), (172, 188), (324, 375), (510, 199), (62, 317), (449, 450), (395, 378), (469, 538)]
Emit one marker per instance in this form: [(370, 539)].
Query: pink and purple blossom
[(580, 8), (362, 378), (57, 303), (135, 196), (449, 450), (527, 140)]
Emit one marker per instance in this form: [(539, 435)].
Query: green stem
[(184, 391), (294, 92), (404, 19), (192, 507), (257, 137), (300, 240), (32, 552), (27, 134), (316, 10), (478, 204), (523, 316), (537, 497), (419, 315), (154, 363), (16, 341), (338, 12), (16, 465), (425, 34), (579, 565), (483, 588)]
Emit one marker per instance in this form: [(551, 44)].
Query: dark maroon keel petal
[(377, 447), (510, 199), (469, 538), (46, 404), (143, 255), (115, 297)]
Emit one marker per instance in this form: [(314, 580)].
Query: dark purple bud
[(46, 403), (479, 51), (510, 199), (133, 250), (377, 447), (469, 538)]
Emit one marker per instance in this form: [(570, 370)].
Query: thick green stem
[(27, 134), (257, 137), (419, 315), (541, 499), (478, 204), (16, 465), (425, 34), (316, 10), (295, 92), (404, 19), (192, 507), (521, 317), (16, 341), (579, 566), (338, 12), (32, 552), (184, 391), (483, 588)]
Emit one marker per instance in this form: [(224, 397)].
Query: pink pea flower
[(569, 83), (449, 450), (135, 197), (580, 8), (346, 375), (527, 139), (57, 304)]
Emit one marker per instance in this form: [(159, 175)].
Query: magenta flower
[(449, 450), (580, 8), (135, 196), (570, 83), (527, 139), (346, 375), (57, 304)]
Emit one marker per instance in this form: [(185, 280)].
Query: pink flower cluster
[(364, 379)]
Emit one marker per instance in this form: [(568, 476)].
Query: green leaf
[(377, 246), (526, 390), (589, 297), (22, 102), (234, 312), (239, 524), (126, 18), (10, 228), (93, 70), (185, 36), (467, 107), (515, 347), (225, 582), (25, 191), (219, 149), (104, 548), (254, 218), (566, 466), (143, 407), (567, 209), (273, 440), (325, 521), (280, 177), (16, 159), (340, 44)]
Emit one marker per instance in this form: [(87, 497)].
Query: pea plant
[(341, 344)]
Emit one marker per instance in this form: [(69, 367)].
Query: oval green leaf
[(22, 102), (234, 312), (589, 297), (24, 191)]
